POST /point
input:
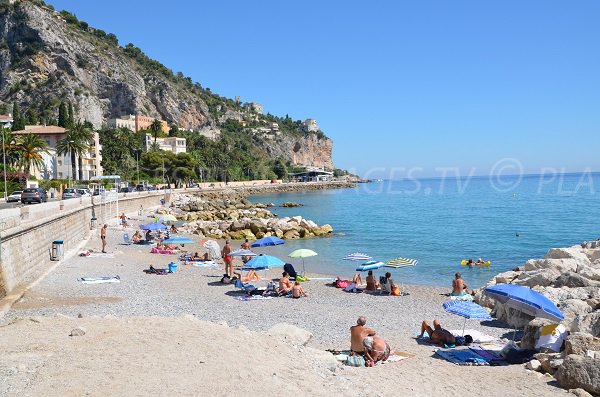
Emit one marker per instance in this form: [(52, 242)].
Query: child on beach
[(298, 291)]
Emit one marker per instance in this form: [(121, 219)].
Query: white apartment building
[(169, 144)]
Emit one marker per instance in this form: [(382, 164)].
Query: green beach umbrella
[(302, 253)]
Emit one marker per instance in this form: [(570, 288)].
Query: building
[(59, 167), (136, 123), (170, 144), (312, 174), (255, 107), (6, 121), (310, 125)]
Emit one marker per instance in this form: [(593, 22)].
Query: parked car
[(34, 195), (126, 189), (84, 192), (70, 193), (14, 196), (140, 188), (151, 188)]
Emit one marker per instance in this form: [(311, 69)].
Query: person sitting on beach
[(148, 236), (285, 286), (372, 285), (195, 257), (162, 235), (376, 350), (137, 237), (358, 333), (387, 283), (298, 291), (174, 229), (459, 287)]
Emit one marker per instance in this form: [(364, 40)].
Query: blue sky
[(398, 86)]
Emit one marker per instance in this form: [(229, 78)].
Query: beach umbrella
[(302, 253), (268, 241), (167, 218), (178, 240), (468, 310), (525, 300), (369, 265), (242, 252), (401, 262), (264, 262), (357, 256), (212, 247), (153, 226)]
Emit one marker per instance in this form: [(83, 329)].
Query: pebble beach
[(192, 300)]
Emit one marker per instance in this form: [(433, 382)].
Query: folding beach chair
[(386, 288), (126, 239)]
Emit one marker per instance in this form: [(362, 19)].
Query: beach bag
[(355, 361), (341, 283), (226, 279), (395, 291)]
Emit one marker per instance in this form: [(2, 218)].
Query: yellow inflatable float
[(464, 262)]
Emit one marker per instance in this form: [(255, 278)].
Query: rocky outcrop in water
[(569, 277), (229, 214)]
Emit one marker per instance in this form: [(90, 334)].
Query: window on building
[(60, 175)]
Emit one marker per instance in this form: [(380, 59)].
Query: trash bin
[(93, 223), (58, 250)]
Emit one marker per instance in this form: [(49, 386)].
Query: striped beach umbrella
[(357, 256), (401, 262), (468, 310)]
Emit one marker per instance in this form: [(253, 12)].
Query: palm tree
[(85, 136), (156, 126), (10, 149), (31, 148), (75, 143)]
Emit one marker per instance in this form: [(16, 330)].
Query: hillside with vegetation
[(51, 60)]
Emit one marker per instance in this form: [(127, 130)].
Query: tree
[(156, 127), (11, 149), (18, 122), (31, 116), (173, 130), (63, 116), (31, 148), (76, 143), (280, 169), (85, 135), (70, 119)]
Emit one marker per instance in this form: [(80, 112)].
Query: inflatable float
[(465, 261)]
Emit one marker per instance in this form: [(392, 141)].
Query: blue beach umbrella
[(264, 262), (153, 226), (370, 265), (525, 300), (357, 256), (178, 240), (468, 310), (268, 241)]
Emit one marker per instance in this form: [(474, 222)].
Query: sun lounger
[(462, 357)]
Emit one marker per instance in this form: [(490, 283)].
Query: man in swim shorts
[(227, 259), (437, 335), (459, 287)]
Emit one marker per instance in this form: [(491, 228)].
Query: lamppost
[(137, 165), (4, 163)]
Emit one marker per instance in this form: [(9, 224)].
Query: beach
[(185, 334)]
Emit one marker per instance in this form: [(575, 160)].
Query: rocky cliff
[(47, 57)]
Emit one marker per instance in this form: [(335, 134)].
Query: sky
[(401, 87)]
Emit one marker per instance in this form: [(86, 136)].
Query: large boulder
[(531, 333), (541, 277), (572, 308), (514, 318), (587, 323), (579, 343), (574, 280), (506, 277), (291, 234), (575, 252), (322, 230), (549, 362), (579, 372), (291, 334), (589, 272)]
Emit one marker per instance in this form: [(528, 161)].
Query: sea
[(441, 221)]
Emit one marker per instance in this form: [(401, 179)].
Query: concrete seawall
[(27, 232)]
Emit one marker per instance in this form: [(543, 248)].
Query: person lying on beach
[(137, 237), (437, 335), (372, 284), (376, 350), (298, 291), (251, 276), (459, 287), (285, 286), (174, 229), (357, 280), (358, 333)]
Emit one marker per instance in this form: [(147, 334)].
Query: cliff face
[(45, 60)]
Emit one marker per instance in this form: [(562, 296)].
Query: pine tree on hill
[(18, 122), (63, 116), (71, 120)]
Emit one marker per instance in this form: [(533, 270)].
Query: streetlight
[(4, 163), (137, 165)]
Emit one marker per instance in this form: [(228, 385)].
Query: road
[(4, 205)]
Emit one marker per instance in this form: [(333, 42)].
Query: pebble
[(79, 331)]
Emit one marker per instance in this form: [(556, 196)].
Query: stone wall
[(27, 232)]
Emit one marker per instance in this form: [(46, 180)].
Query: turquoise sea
[(441, 221)]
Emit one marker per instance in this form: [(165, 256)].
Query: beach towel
[(465, 297), (491, 355), (462, 357), (399, 356), (204, 264), (100, 280), (252, 298), (478, 336), (100, 255)]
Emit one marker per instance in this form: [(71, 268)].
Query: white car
[(84, 192), (14, 196)]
